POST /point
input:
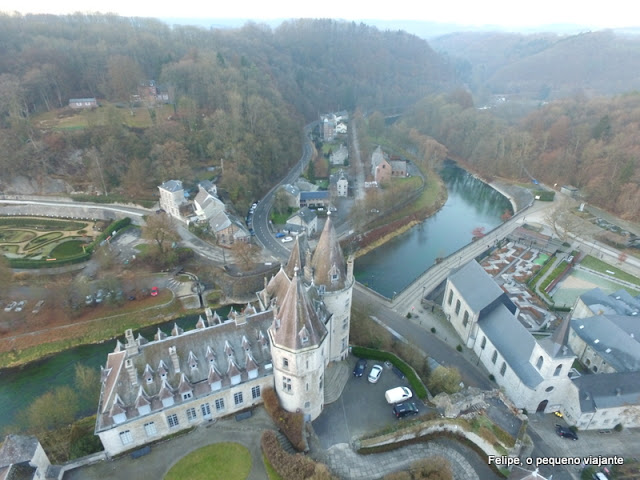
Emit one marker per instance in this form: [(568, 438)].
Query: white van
[(398, 394)]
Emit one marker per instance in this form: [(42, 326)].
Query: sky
[(502, 13)]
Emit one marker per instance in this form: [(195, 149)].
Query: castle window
[(286, 384), (503, 369), (450, 297), (307, 404), (594, 368), (320, 383), (219, 404), (494, 357), (150, 429), (237, 398), (457, 307), (484, 343), (172, 420), (205, 408), (539, 362), (549, 389), (285, 363), (557, 371), (191, 414), (345, 323), (465, 320), (307, 387), (126, 438), (255, 392), (149, 379), (321, 289)]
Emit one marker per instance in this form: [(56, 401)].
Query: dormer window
[(321, 289), (150, 379), (285, 363), (186, 395)]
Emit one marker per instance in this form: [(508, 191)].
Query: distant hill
[(545, 66)]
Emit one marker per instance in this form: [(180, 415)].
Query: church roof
[(329, 267), (608, 390), (297, 324), (475, 285)]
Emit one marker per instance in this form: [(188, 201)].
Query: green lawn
[(602, 267), (68, 249), (219, 461)]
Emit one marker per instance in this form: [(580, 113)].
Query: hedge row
[(291, 467), (28, 263), (114, 227), (33, 222), (289, 423), (414, 381)]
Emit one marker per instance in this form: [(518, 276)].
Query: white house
[(342, 185), (300, 323), (172, 197)]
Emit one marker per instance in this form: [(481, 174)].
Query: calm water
[(20, 386), (471, 204)]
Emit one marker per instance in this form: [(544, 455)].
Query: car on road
[(360, 367), (10, 307), (20, 305), (287, 239), (154, 291), (374, 374), (565, 432), (402, 410)]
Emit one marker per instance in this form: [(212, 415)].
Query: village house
[(339, 157), (304, 220), (342, 185), (399, 167), (380, 168), (172, 198), (83, 103), (286, 339)]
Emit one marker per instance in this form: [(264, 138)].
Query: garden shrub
[(291, 467), (289, 423)]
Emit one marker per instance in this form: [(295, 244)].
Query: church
[(285, 339)]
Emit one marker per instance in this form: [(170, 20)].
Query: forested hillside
[(545, 66), (239, 95), (592, 144)]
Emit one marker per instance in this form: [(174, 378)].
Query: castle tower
[(298, 349), (333, 279)]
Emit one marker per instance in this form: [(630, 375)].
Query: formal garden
[(39, 242)]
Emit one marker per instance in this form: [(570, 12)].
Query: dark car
[(565, 432), (402, 410), (361, 366)]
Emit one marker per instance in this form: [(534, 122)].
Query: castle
[(286, 339)]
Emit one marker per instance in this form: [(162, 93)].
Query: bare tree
[(244, 254), (161, 229)]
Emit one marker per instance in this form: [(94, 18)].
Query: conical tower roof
[(329, 267), (295, 259), (297, 325)]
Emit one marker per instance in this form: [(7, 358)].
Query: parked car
[(287, 239), (402, 410), (37, 306), (154, 291), (10, 307), (20, 306), (280, 234), (88, 300), (397, 395), (360, 367), (99, 296), (565, 432), (374, 374)]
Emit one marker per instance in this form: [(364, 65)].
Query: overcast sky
[(504, 13)]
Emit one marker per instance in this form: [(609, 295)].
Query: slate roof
[(291, 190), (476, 286), (608, 390), (620, 302), (328, 260), (613, 337), (320, 194), (513, 341), (306, 215), (215, 346), (172, 185), (18, 449), (298, 325)]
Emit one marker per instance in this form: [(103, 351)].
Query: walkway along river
[(471, 204)]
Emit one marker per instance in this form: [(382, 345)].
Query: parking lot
[(361, 409)]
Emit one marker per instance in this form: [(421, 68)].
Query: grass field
[(219, 461), (609, 270)]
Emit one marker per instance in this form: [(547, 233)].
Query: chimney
[(131, 346), (350, 268), (131, 370), (174, 359)]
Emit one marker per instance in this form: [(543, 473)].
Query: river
[(21, 385), (471, 204)]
